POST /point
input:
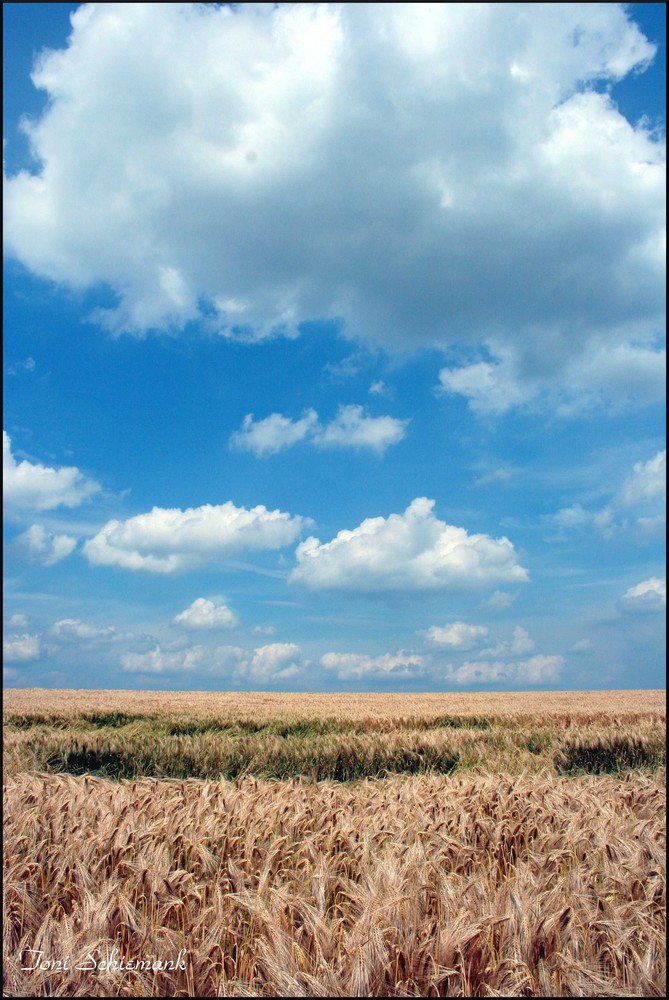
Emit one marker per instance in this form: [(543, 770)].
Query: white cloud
[(535, 670), (496, 476), (457, 635), (649, 596), (205, 614), (388, 665), (520, 643), (582, 646), (274, 433), (18, 621), (32, 486), (166, 540), (619, 375), (351, 428), (639, 503), (427, 174), (161, 661), (26, 365), (21, 648), (42, 546), (410, 551), (264, 630), (500, 600), (276, 661), (647, 482), (73, 628)]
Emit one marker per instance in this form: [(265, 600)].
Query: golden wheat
[(424, 886), (525, 877)]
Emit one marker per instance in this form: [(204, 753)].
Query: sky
[(334, 346)]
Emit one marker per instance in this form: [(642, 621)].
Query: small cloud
[(206, 614), (639, 504), (72, 628), (379, 388), (521, 642), (276, 661), (263, 630), (32, 486), (457, 635), (647, 597), (273, 434), (21, 648), (389, 665), (18, 367), (351, 428), (497, 476), (582, 646), (536, 670), (500, 600), (647, 482), (17, 621), (44, 547)]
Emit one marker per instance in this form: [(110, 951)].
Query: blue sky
[(334, 346)]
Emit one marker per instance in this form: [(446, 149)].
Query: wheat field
[(471, 845)]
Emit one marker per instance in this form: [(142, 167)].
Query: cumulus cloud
[(261, 165), (42, 546), (457, 635), (264, 664), (276, 661), (649, 596), (162, 661), (647, 482), (205, 614), (21, 648), (618, 375), (520, 643), (535, 670), (500, 600), (32, 486), (73, 628), (388, 665), (167, 540), (404, 552), (639, 503), (351, 428), (274, 433), (17, 621)]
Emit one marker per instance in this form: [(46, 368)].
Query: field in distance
[(198, 844)]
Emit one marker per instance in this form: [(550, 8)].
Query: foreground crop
[(463, 885)]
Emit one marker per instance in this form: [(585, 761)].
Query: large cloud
[(410, 551), (425, 173), (32, 486), (165, 540)]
